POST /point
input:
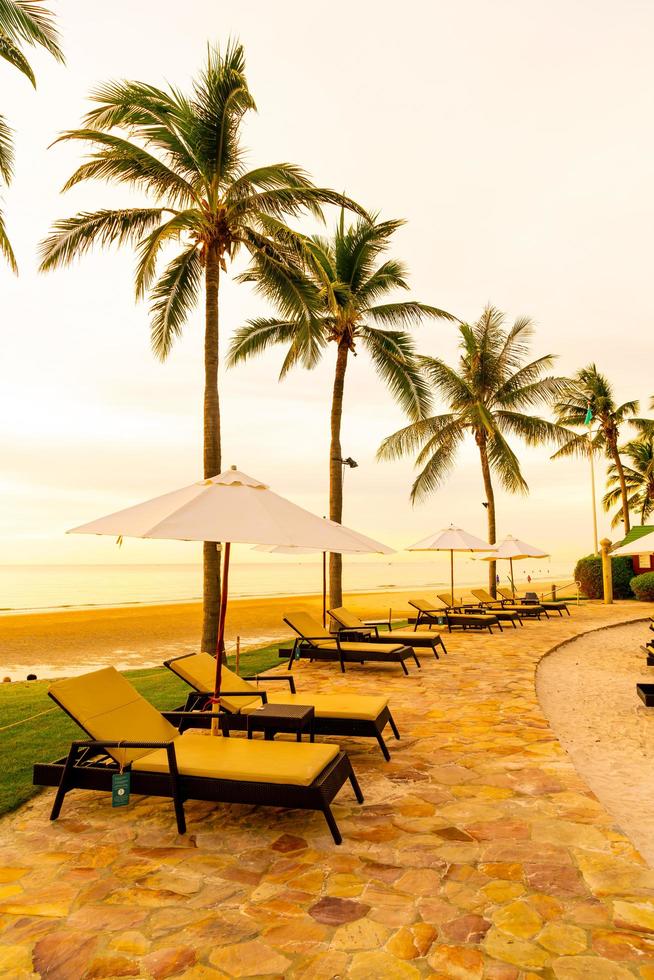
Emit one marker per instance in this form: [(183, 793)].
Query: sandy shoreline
[(58, 642), (587, 690)]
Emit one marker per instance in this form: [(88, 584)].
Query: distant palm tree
[(489, 395), (334, 298), (639, 480), (185, 152), (591, 391), (22, 22)]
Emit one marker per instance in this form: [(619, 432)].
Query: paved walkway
[(479, 852)]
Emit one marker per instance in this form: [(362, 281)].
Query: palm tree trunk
[(336, 474), (211, 583), (623, 486), (490, 512)]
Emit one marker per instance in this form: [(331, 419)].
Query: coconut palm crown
[(184, 151), (338, 293), (639, 480), (490, 396), (21, 23), (591, 391)]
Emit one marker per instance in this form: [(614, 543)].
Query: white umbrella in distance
[(451, 539), (513, 549), (231, 508)]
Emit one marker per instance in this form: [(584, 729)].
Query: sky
[(514, 138)]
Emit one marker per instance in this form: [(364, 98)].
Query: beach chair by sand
[(549, 605), (495, 606), (357, 715), (126, 731), (348, 623), (453, 620), (534, 607), (314, 642)]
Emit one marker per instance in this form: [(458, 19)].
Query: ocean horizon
[(34, 588)]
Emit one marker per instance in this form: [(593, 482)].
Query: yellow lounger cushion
[(346, 618), (348, 647), (305, 624), (106, 705), (354, 706), (295, 763), (199, 670)]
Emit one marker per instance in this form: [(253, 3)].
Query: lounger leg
[(443, 645), (513, 624), (403, 666), (435, 651), (354, 783), (394, 729), (62, 789), (382, 746), (500, 626), (415, 657), (331, 823), (174, 789)]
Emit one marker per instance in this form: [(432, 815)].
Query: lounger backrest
[(505, 593), (345, 618), (445, 598), (483, 595), (305, 625), (422, 605), (199, 670), (105, 705)]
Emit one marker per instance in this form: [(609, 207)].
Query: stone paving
[(479, 853)]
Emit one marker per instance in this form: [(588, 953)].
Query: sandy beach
[(61, 642), (587, 690)]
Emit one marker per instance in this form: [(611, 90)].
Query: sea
[(33, 588)]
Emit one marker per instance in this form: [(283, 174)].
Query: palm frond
[(405, 315), (6, 152), (148, 249), (534, 431), (73, 237), (393, 355), (5, 246), (504, 462), (30, 23), (257, 335), (10, 52), (173, 297), (439, 465), (412, 438)]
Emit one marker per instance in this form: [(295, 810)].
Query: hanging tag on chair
[(120, 788)]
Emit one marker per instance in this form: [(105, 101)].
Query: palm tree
[(21, 23), (638, 477), (185, 152), (589, 391), (335, 298), (488, 395)]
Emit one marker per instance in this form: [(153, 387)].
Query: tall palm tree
[(591, 391), (489, 395), (22, 22), (334, 298), (638, 477), (185, 152)]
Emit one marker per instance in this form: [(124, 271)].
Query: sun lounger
[(549, 605), (495, 606), (362, 716), (530, 610), (349, 624), (465, 621), (125, 730), (314, 642)]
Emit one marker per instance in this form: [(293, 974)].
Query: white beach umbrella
[(640, 546), (231, 508), (451, 539), (513, 549)]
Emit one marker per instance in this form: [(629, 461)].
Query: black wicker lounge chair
[(350, 625), (316, 643)]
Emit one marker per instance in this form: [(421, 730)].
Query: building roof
[(637, 532)]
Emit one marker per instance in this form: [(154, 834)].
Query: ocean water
[(41, 587)]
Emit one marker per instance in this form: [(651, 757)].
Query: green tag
[(120, 789), (589, 416)]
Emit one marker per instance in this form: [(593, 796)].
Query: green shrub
[(588, 571), (643, 586)]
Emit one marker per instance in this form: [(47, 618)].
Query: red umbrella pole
[(220, 651)]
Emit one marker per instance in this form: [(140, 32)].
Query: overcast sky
[(514, 137)]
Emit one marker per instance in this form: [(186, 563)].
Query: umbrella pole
[(452, 574), (220, 651), (324, 588), (512, 581)]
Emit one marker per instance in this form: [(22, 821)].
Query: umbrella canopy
[(451, 539), (513, 549), (640, 546), (231, 508)]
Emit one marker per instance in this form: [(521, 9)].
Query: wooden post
[(607, 571), (238, 654), (554, 592)]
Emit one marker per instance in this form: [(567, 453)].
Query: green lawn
[(47, 737)]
